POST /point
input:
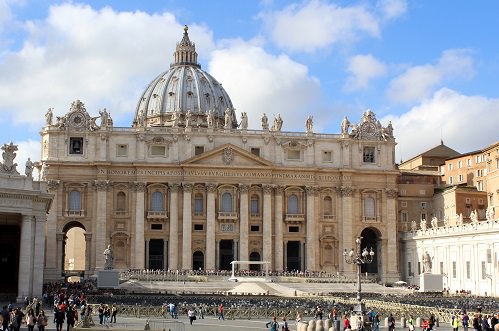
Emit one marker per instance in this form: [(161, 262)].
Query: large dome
[(185, 95)]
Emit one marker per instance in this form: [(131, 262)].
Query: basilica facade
[(188, 186)]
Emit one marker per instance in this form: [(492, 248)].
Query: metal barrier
[(164, 325)]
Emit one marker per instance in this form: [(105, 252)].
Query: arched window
[(74, 201), (369, 207), (157, 201), (255, 205), (121, 201), (198, 204), (227, 202), (293, 204), (327, 206)]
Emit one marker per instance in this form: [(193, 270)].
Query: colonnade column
[(173, 236), (59, 237), (187, 228), (278, 242), (312, 239), (346, 193), (25, 285), (392, 241), (210, 227), (38, 254), (88, 253), (138, 251), (267, 224), (243, 226), (51, 228), (101, 186), (147, 253)]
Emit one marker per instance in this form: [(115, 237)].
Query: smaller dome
[(185, 95)]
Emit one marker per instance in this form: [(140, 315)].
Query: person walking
[(454, 323), (41, 320), (346, 323), (114, 312), (71, 315), (59, 319), (285, 326), (465, 319), (31, 320), (391, 323), (274, 325), (191, 314), (221, 312)]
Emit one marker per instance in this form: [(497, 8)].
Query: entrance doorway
[(10, 237), (226, 254), (293, 256), (156, 254), (73, 256), (254, 256), (370, 240), (198, 261)]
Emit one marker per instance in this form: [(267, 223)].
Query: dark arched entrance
[(370, 240), (226, 254), (293, 256), (198, 261), (254, 256)]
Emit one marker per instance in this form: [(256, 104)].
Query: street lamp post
[(359, 257)]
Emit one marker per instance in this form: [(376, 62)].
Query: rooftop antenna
[(441, 136)]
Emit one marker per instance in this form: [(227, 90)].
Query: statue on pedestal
[(48, 117), (28, 171), (108, 253), (426, 262), (309, 124), (265, 122)]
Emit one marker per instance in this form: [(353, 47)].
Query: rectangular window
[(327, 156), (255, 151), (121, 150), (294, 154), (294, 229), (423, 205), (468, 162), (368, 155), (404, 217), (460, 178), (75, 145), (451, 181), (479, 185), (454, 269), (450, 166), (198, 150), (423, 216), (158, 150), (198, 227), (468, 270), (198, 205), (255, 228), (468, 201), (156, 226), (460, 164)]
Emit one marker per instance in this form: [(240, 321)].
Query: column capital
[(60, 236), (391, 193), (346, 191), (267, 188), (88, 237), (187, 187), (174, 187), (211, 187), (312, 190), (101, 185), (139, 186), (53, 184), (279, 189), (244, 188)]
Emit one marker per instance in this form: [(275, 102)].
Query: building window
[(255, 205), (468, 270), (74, 201), (468, 162), (368, 155), (294, 154), (158, 150), (479, 185), (423, 205), (450, 166), (255, 228), (75, 145), (327, 206), (157, 201), (369, 208), (293, 204), (156, 226), (460, 178), (404, 216), (255, 151), (198, 227), (198, 150), (451, 181), (294, 229), (227, 202), (454, 269), (460, 164), (198, 204), (121, 201), (423, 216), (327, 156), (121, 150)]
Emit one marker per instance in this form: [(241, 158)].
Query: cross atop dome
[(185, 53)]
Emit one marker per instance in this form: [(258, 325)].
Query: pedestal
[(431, 283), (108, 279)]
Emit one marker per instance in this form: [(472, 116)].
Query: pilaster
[(187, 228), (267, 224), (138, 250), (25, 284), (55, 188), (173, 253), (311, 224), (102, 187), (210, 227), (278, 245), (243, 225), (38, 254)]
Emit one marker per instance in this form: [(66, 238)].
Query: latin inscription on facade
[(227, 227)]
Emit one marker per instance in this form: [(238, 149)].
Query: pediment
[(228, 155)]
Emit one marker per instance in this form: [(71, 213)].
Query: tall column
[(60, 252), (138, 251), (165, 254), (391, 269), (210, 228), (101, 238), (346, 230), (243, 226), (51, 229), (147, 253), (278, 247), (88, 253), (38, 254), (173, 251), (25, 285), (187, 228), (311, 225), (217, 254), (267, 224)]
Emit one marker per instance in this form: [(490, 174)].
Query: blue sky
[(430, 67)]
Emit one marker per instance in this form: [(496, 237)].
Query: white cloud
[(105, 58), (26, 149), (419, 82), (392, 8), (362, 68), (465, 123), (258, 83), (317, 24)]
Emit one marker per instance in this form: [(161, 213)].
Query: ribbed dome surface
[(185, 96)]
